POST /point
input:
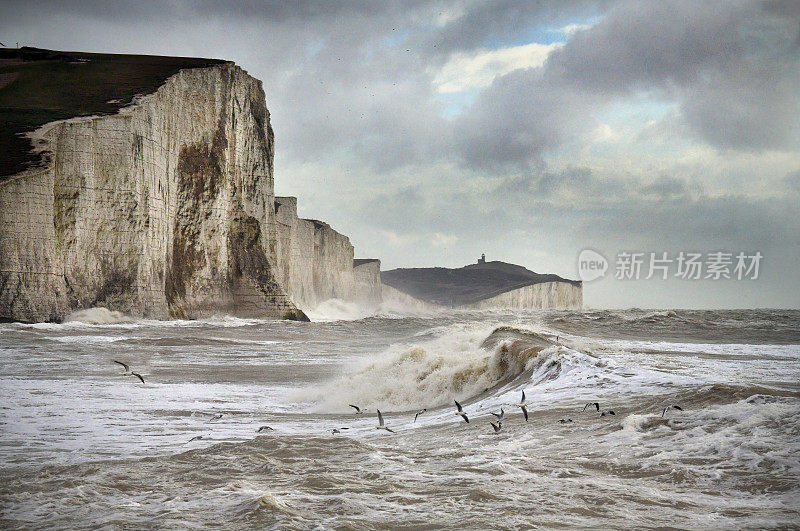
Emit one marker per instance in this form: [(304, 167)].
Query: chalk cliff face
[(543, 296), (482, 285), (367, 282), (547, 295), (315, 263), (165, 210)]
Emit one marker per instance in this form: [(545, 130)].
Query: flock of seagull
[(522, 405)]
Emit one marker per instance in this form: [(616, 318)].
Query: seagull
[(609, 412), (128, 371), (679, 408), (420, 412), (215, 417), (499, 415), (359, 411), (564, 421), (195, 438), (334, 431), (595, 404), (264, 428), (461, 413), (522, 406), (523, 401), (497, 427), (381, 426)]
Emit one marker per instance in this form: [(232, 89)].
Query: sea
[(248, 424)]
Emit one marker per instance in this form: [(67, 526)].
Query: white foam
[(339, 310), (83, 339), (452, 365), (98, 316)]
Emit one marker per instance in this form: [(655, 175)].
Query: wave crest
[(453, 366)]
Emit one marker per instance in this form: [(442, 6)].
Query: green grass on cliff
[(40, 86)]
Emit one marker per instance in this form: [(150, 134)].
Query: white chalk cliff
[(167, 209)]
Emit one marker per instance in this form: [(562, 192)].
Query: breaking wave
[(456, 365)]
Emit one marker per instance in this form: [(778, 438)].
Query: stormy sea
[(82, 444)]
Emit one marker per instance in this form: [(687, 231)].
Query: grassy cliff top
[(465, 285), (40, 86)]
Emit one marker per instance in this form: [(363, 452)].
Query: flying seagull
[(524, 400), (679, 408), (609, 412), (497, 427), (564, 421), (595, 404), (420, 412), (381, 425), (499, 415), (195, 438), (264, 428), (128, 371), (215, 417), (460, 412), (359, 411), (523, 407)]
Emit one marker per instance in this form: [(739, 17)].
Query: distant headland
[(483, 284)]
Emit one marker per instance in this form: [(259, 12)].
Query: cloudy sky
[(430, 132)]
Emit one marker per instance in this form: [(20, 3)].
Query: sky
[(432, 132)]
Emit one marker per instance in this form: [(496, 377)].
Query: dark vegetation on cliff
[(40, 86), (465, 285)]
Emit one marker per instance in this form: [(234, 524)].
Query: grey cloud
[(792, 181), (348, 99), (665, 187), (732, 66), (485, 23)]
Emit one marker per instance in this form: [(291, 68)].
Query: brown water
[(84, 446)]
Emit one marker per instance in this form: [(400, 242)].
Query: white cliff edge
[(167, 209)]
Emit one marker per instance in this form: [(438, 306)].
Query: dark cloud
[(363, 139), (487, 24), (732, 66)]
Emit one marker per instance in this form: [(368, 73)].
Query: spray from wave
[(340, 310), (454, 365), (98, 316)]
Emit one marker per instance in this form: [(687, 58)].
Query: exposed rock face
[(315, 263), (543, 296), (367, 273), (482, 285), (547, 295), (166, 209)]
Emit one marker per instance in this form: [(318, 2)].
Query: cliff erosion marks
[(163, 209), (199, 174), (41, 86)]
